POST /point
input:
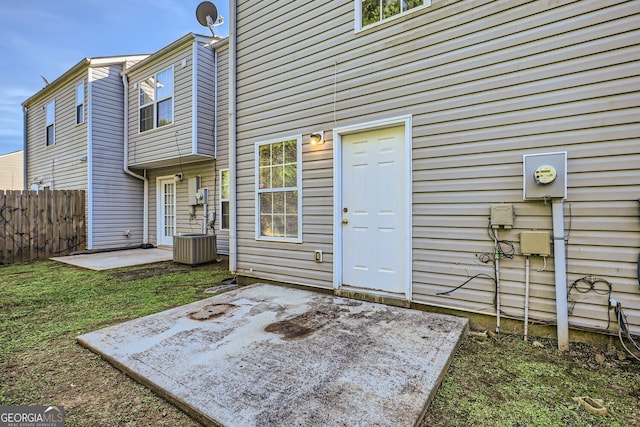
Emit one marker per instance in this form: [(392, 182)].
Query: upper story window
[(371, 11), (224, 199), (80, 103), (278, 190), (50, 113), (156, 100)]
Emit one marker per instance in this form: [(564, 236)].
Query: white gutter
[(233, 249), (125, 168), (194, 100)]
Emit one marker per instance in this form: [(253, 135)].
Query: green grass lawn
[(44, 306)]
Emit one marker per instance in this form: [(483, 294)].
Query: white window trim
[(358, 15), (80, 102), (228, 200), (156, 100), (298, 139), (50, 123)]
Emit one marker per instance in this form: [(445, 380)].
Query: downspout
[(215, 103), (25, 140), (215, 143), (125, 168), (233, 250)]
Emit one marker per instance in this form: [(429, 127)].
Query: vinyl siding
[(166, 145), (485, 82), (222, 160), (205, 99), (185, 222), (117, 197), (208, 170), (12, 171), (59, 163)]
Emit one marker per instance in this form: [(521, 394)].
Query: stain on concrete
[(211, 311), (302, 326)]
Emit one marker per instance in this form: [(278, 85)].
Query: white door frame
[(160, 209), (406, 121)]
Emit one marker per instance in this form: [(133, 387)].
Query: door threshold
[(373, 295)]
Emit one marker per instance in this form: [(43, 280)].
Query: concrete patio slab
[(117, 259), (266, 355)]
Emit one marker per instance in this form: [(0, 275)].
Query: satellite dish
[(207, 15)]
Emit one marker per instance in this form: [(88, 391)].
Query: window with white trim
[(372, 11), (278, 190), (80, 103), (156, 100), (50, 113), (224, 199)]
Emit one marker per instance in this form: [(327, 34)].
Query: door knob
[(345, 221)]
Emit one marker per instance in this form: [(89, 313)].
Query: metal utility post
[(560, 267)]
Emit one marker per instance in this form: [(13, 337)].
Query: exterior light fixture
[(316, 138), (178, 177)]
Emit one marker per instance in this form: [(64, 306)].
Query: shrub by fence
[(37, 225)]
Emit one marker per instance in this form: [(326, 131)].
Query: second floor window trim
[(155, 100), (50, 124), (80, 103)]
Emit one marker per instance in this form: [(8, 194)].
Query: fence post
[(33, 224), (3, 228)]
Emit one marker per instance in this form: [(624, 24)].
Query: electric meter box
[(544, 176), (194, 187)]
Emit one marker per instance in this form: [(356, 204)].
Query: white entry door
[(166, 210), (374, 200)]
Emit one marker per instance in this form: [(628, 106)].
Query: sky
[(48, 37)]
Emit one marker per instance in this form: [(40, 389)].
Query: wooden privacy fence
[(37, 225)]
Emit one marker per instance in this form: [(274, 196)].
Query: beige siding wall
[(60, 163), (188, 219), (117, 198), (485, 82), (173, 141), (12, 171)]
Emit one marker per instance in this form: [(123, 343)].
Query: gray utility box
[(194, 249), (545, 176)]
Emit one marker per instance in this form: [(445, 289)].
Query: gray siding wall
[(205, 99), (222, 160), (172, 141), (485, 82), (208, 170), (59, 163), (117, 197)]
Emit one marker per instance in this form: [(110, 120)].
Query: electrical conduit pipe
[(560, 265)]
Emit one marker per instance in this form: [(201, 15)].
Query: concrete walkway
[(267, 355), (117, 259)]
